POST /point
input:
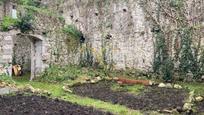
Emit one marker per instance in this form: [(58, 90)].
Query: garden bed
[(40, 105), (200, 107), (152, 98)]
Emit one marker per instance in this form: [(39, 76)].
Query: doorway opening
[(27, 53)]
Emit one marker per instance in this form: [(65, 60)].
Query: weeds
[(7, 79)]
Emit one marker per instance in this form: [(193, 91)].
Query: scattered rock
[(199, 99), (93, 81), (168, 85), (98, 78), (202, 78), (108, 78), (3, 84), (162, 85), (177, 86), (187, 106), (66, 89), (191, 97)]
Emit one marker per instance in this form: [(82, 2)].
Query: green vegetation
[(8, 23), (74, 37), (187, 52), (65, 73), (198, 88), (7, 79), (134, 89), (86, 56), (72, 31)]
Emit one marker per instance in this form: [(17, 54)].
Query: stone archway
[(32, 52)]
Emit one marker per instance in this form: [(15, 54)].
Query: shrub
[(8, 23), (25, 23), (167, 69), (35, 3), (73, 32)]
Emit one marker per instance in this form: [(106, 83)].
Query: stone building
[(26, 50)]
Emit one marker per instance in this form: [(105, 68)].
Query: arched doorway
[(28, 52)]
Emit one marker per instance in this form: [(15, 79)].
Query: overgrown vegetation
[(74, 37), (180, 29), (86, 56), (67, 73), (34, 3), (7, 79), (9, 23)]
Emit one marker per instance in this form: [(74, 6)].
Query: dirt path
[(35, 105), (153, 99)]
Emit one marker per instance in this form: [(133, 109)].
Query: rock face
[(114, 26), (117, 30)]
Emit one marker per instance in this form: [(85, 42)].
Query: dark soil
[(200, 107), (153, 98), (40, 105)]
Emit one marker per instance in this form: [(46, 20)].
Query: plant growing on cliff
[(187, 58), (86, 56), (74, 37), (170, 17), (25, 23), (8, 23)]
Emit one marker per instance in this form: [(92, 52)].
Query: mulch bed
[(40, 105), (153, 98)]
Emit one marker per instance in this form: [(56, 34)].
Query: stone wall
[(6, 47), (22, 52), (1, 12), (6, 51), (114, 26)]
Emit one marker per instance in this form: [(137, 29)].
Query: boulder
[(199, 99), (161, 85), (187, 106), (177, 86), (168, 85), (66, 89)]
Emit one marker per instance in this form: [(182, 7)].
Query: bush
[(25, 23), (8, 23), (73, 32), (35, 3), (167, 69)]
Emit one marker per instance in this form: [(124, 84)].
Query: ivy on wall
[(187, 52)]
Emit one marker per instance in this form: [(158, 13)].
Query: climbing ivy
[(187, 58)]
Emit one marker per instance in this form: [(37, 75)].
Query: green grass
[(57, 91), (134, 89)]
